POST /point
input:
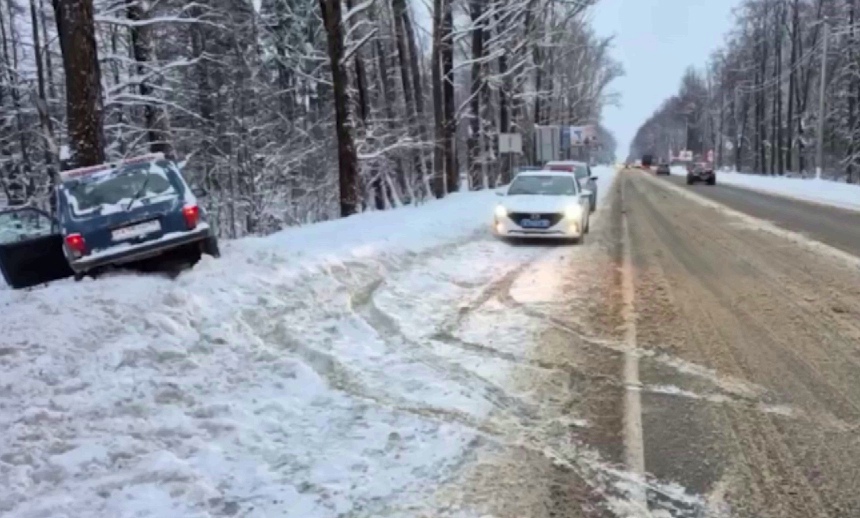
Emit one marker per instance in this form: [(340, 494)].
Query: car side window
[(20, 224)]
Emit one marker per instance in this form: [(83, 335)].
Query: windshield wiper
[(138, 193)]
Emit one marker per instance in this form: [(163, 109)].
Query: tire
[(210, 247), (712, 180), (689, 181), (587, 228), (79, 276)]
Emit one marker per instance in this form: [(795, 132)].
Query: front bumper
[(567, 228), (138, 252)]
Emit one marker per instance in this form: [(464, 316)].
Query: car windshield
[(115, 190), (543, 185)]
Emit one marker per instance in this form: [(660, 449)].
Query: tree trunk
[(157, 123), (51, 150), (453, 175), (792, 86), (417, 85), (347, 158), (84, 108), (438, 103), (476, 10)]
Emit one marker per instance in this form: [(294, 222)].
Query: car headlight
[(501, 212), (573, 212)]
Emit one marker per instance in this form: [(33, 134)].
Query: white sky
[(656, 40)]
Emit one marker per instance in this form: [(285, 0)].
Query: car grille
[(553, 217)]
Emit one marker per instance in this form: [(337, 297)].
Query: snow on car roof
[(91, 170), (544, 173)]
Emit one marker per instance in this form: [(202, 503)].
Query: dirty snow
[(320, 371), (829, 192)]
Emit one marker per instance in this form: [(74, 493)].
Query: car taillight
[(76, 244), (192, 215)]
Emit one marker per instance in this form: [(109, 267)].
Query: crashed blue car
[(108, 215)]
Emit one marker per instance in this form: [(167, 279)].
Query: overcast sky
[(656, 40)]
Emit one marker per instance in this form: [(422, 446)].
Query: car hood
[(537, 203)]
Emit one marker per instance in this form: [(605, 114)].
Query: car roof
[(565, 162), (545, 173)]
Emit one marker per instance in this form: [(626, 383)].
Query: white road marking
[(634, 448)]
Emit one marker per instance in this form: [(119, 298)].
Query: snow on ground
[(308, 373), (809, 189)]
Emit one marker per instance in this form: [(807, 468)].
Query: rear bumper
[(701, 176), (132, 253)]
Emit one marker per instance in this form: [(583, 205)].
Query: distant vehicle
[(701, 172), (543, 204), (647, 160), (583, 174), (106, 215), (663, 169)]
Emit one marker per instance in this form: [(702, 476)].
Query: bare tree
[(84, 108), (347, 159)]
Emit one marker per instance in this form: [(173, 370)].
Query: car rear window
[(578, 170), (112, 191)]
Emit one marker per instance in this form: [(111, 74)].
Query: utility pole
[(686, 131), (819, 145)]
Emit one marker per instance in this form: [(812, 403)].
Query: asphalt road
[(747, 347), (836, 227), (689, 365)]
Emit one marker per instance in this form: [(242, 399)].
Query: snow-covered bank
[(828, 192), (303, 374)]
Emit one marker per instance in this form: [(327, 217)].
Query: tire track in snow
[(390, 331)]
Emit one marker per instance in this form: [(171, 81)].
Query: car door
[(591, 185), (31, 248)]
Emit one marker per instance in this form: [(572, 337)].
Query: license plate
[(534, 223), (132, 231)]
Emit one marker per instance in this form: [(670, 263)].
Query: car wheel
[(79, 276), (193, 255), (210, 247), (712, 181), (689, 181)]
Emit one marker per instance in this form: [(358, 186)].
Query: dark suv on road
[(701, 172)]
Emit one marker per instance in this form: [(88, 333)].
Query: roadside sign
[(547, 140), (581, 135), (510, 143), (565, 138)]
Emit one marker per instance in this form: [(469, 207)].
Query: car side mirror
[(199, 192), (593, 177)]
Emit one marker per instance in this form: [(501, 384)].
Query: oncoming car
[(701, 172), (543, 204), (127, 212)]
